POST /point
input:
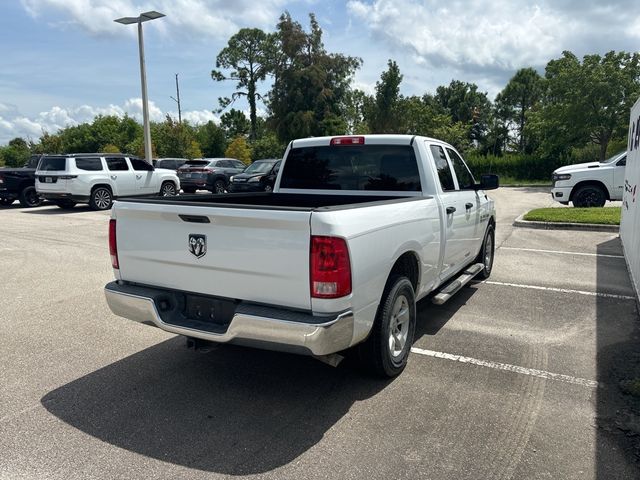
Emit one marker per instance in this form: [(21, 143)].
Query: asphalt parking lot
[(517, 377)]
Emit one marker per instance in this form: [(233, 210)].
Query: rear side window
[(444, 171), (362, 167), (141, 165), (52, 164), (117, 164), (465, 179), (237, 164), (90, 164)]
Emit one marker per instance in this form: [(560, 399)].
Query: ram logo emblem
[(198, 245)]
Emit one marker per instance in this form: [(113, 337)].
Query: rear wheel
[(218, 187), (387, 349), (168, 189), (487, 252), (29, 197), (65, 204), (101, 198), (589, 196)]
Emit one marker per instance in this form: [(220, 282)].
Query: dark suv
[(19, 183), (260, 176), (208, 174), (169, 163)]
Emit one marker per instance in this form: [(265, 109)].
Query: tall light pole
[(143, 17)]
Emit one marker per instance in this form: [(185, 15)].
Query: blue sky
[(64, 61)]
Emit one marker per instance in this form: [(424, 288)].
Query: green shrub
[(515, 166)]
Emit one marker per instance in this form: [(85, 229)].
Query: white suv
[(98, 179)]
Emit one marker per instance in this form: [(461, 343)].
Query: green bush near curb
[(599, 216)]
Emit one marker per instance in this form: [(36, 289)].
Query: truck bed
[(277, 201)]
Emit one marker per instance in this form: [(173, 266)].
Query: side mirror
[(488, 181)]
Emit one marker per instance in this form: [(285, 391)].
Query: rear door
[(455, 216), (146, 178), (258, 255), (471, 230), (121, 176)]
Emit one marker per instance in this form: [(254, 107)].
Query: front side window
[(89, 164), (353, 167), (141, 165), (465, 179), (443, 168), (117, 164)]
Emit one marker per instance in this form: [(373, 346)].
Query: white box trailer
[(630, 222)]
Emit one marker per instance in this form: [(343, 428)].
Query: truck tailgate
[(259, 255)]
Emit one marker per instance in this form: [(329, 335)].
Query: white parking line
[(508, 368), (561, 290), (562, 252)]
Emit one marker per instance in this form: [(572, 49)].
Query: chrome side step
[(451, 288)]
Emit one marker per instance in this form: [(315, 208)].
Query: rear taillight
[(347, 141), (330, 267), (113, 244)]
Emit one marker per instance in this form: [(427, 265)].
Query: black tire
[(168, 189), (381, 354), (218, 187), (268, 188), (29, 197), (589, 196), (101, 198), (487, 253), (188, 190), (65, 204), (5, 202)]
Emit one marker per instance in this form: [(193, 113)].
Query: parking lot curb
[(590, 227)]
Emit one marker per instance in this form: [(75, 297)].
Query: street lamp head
[(143, 17)]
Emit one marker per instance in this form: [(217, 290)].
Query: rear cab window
[(89, 164), (53, 164), (357, 167)]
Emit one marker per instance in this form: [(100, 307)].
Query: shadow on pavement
[(55, 210), (431, 318), (234, 411), (618, 363)]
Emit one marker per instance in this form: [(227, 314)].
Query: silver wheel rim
[(168, 190), (268, 188), (219, 187), (399, 326), (488, 252), (102, 198)]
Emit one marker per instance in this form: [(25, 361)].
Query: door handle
[(450, 210), (469, 205), (113, 177)]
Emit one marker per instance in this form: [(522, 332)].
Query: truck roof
[(370, 139)]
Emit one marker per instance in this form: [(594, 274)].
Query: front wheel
[(218, 187), (386, 351), (29, 197), (487, 253), (589, 196), (101, 199), (168, 189)]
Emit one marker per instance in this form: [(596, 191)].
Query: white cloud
[(13, 124), (209, 18), (486, 36)]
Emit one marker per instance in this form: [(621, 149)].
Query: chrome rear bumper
[(262, 327)]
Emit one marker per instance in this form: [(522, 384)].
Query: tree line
[(576, 110)]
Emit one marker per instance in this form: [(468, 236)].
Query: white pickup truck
[(356, 230), (590, 184)]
